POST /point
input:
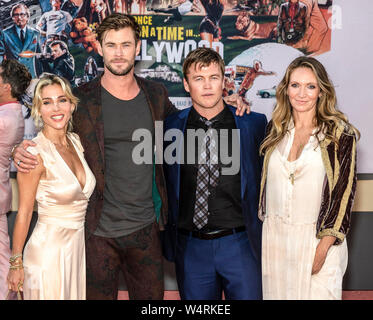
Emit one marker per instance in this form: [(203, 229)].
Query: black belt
[(211, 234)]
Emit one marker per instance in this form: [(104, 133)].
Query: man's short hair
[(202, 57), (118, 21), (62, 45), (19, 5), (17, 75)]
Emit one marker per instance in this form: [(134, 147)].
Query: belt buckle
[(215, 234)]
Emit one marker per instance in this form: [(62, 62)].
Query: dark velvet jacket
[(89, 125), (339, 185)]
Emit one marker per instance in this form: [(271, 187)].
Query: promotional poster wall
[(256, 38)]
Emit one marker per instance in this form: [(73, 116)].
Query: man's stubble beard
[(120, 73)]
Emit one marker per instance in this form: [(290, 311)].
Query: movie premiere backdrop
[(256, 38)]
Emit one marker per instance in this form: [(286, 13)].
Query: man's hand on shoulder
[(24, 161), (236, 100)]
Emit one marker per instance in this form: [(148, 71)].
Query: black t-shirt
[(128, 204)]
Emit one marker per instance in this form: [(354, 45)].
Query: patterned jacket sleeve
[(337, 220)]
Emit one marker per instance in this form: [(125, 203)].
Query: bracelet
[(17, 263), (16, 267), (13, 258)]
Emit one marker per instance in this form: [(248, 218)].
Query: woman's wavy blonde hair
[(327, 117), (47, 80)]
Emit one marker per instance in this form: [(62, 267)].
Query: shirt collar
[(19, 30), (195, 116)]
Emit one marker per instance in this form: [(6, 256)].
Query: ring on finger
[(18, 162)]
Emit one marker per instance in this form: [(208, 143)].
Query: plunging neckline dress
[(54, 256)]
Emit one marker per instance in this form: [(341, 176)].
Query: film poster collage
[(256, 38)]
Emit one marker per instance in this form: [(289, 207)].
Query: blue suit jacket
[(252, 130), (11, 46)]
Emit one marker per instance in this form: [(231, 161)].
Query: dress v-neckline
[(67, 166), (290, 145)]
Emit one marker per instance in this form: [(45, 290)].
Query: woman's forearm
[(20, 231)]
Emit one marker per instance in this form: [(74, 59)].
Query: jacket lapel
[(28, 38), (180, 124), (95, 112), (16, 40), (177, 123), (150, 98), (245, 146)]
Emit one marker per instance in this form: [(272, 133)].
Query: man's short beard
[(120, 73)]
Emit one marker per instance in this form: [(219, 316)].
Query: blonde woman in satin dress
[(14, 80), (54, 257), (307, 188)]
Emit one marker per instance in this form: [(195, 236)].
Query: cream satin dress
[(54, 256), (289, 228)]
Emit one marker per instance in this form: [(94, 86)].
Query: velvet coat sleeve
[(336, 206)]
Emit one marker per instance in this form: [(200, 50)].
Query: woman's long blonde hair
[(327, 117), (47, 80)]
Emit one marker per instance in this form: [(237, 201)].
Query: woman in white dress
[(53, 265), (307, 188)]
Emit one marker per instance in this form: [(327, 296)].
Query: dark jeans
[(137, 255)]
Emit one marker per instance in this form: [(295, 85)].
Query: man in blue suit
[(213, 233), (21, 42)]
